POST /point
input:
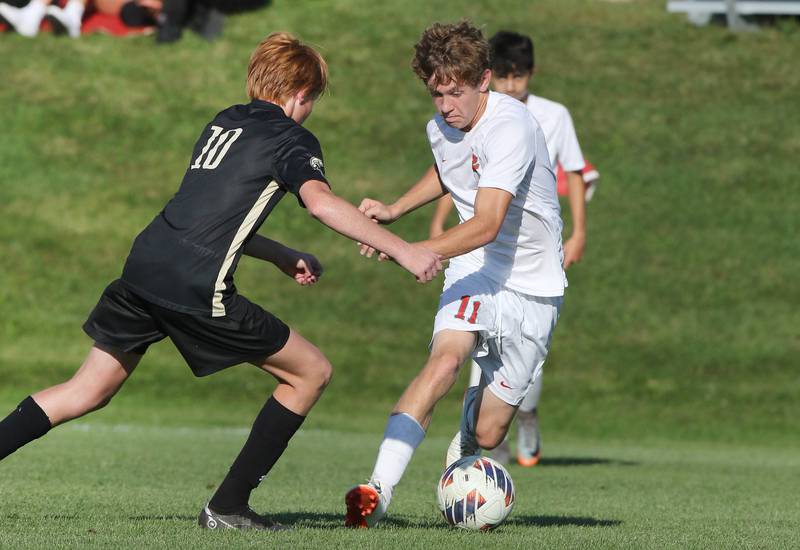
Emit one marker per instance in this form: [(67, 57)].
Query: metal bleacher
[(700, 12)]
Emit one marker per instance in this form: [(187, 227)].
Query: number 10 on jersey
[(221, 142)]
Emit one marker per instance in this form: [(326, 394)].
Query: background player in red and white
[(513, 67), (505, 283)]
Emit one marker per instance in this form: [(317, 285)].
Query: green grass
[(683, 308), (676, 349), (93, 485)]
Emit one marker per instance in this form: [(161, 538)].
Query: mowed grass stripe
[(134, 485)]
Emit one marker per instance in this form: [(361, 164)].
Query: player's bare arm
[(344, 218), (443, 207), (304, 268), (491, 205), (427, 189), (574, 246)]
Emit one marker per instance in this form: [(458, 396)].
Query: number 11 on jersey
[(463, 309)]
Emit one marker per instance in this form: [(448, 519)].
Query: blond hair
[(281, 66), (447, 52)]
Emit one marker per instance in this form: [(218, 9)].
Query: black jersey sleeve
[(299, 161)]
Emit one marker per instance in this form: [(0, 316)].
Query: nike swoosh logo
[(503, 383)]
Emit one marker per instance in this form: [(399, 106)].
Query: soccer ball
[(476, 493)]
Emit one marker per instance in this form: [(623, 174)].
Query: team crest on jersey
[(317, 165), (475, 164)]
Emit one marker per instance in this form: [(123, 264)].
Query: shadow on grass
[(313, 520), (561, 521), (525, 521), (164, 517), (583, 461), (317, 520)]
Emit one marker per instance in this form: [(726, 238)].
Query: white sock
[(402, 437), (531, 399)]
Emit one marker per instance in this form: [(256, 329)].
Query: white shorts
[(514, 330)]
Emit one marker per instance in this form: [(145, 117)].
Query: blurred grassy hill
[(680, 323)]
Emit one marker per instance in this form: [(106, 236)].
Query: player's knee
[(444, 366), (101, 402), (325, 373), (319, 373), (89, 400), (489, 437), (89, 397)]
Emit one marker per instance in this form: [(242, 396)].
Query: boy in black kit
[(178, 279)]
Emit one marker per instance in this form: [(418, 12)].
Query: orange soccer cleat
[(366, 505)]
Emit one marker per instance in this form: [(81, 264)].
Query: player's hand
[(421, 262), (367, 251), (377, 211), (304, 268), (573, 250)]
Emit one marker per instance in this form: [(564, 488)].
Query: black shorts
[(124, 321)]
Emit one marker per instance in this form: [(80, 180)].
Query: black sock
[(26, 423), (274, 427)]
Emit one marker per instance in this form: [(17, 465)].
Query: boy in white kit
[(512, 63), (505, 283)]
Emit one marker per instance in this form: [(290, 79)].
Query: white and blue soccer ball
[(475, 493)]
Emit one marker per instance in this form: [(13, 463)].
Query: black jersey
[(245, 161)]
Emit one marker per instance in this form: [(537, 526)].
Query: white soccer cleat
[(459, 448), (25, 20), (529, 442), (366, 505), (501, 453), (67, 20)]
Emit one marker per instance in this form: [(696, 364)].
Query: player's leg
[(529, 441), (539, 322), (510, 367), (302, 372), (484, 411), (502, 452), (464, 442), (493, 418), (405, 429), (449, 350), (90, 388)]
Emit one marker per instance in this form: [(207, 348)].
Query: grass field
[(135, 486), (671, 393)]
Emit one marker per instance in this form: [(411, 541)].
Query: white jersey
[(559, 132), (505, 150)]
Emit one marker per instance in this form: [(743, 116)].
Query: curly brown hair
[(448, 52)]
